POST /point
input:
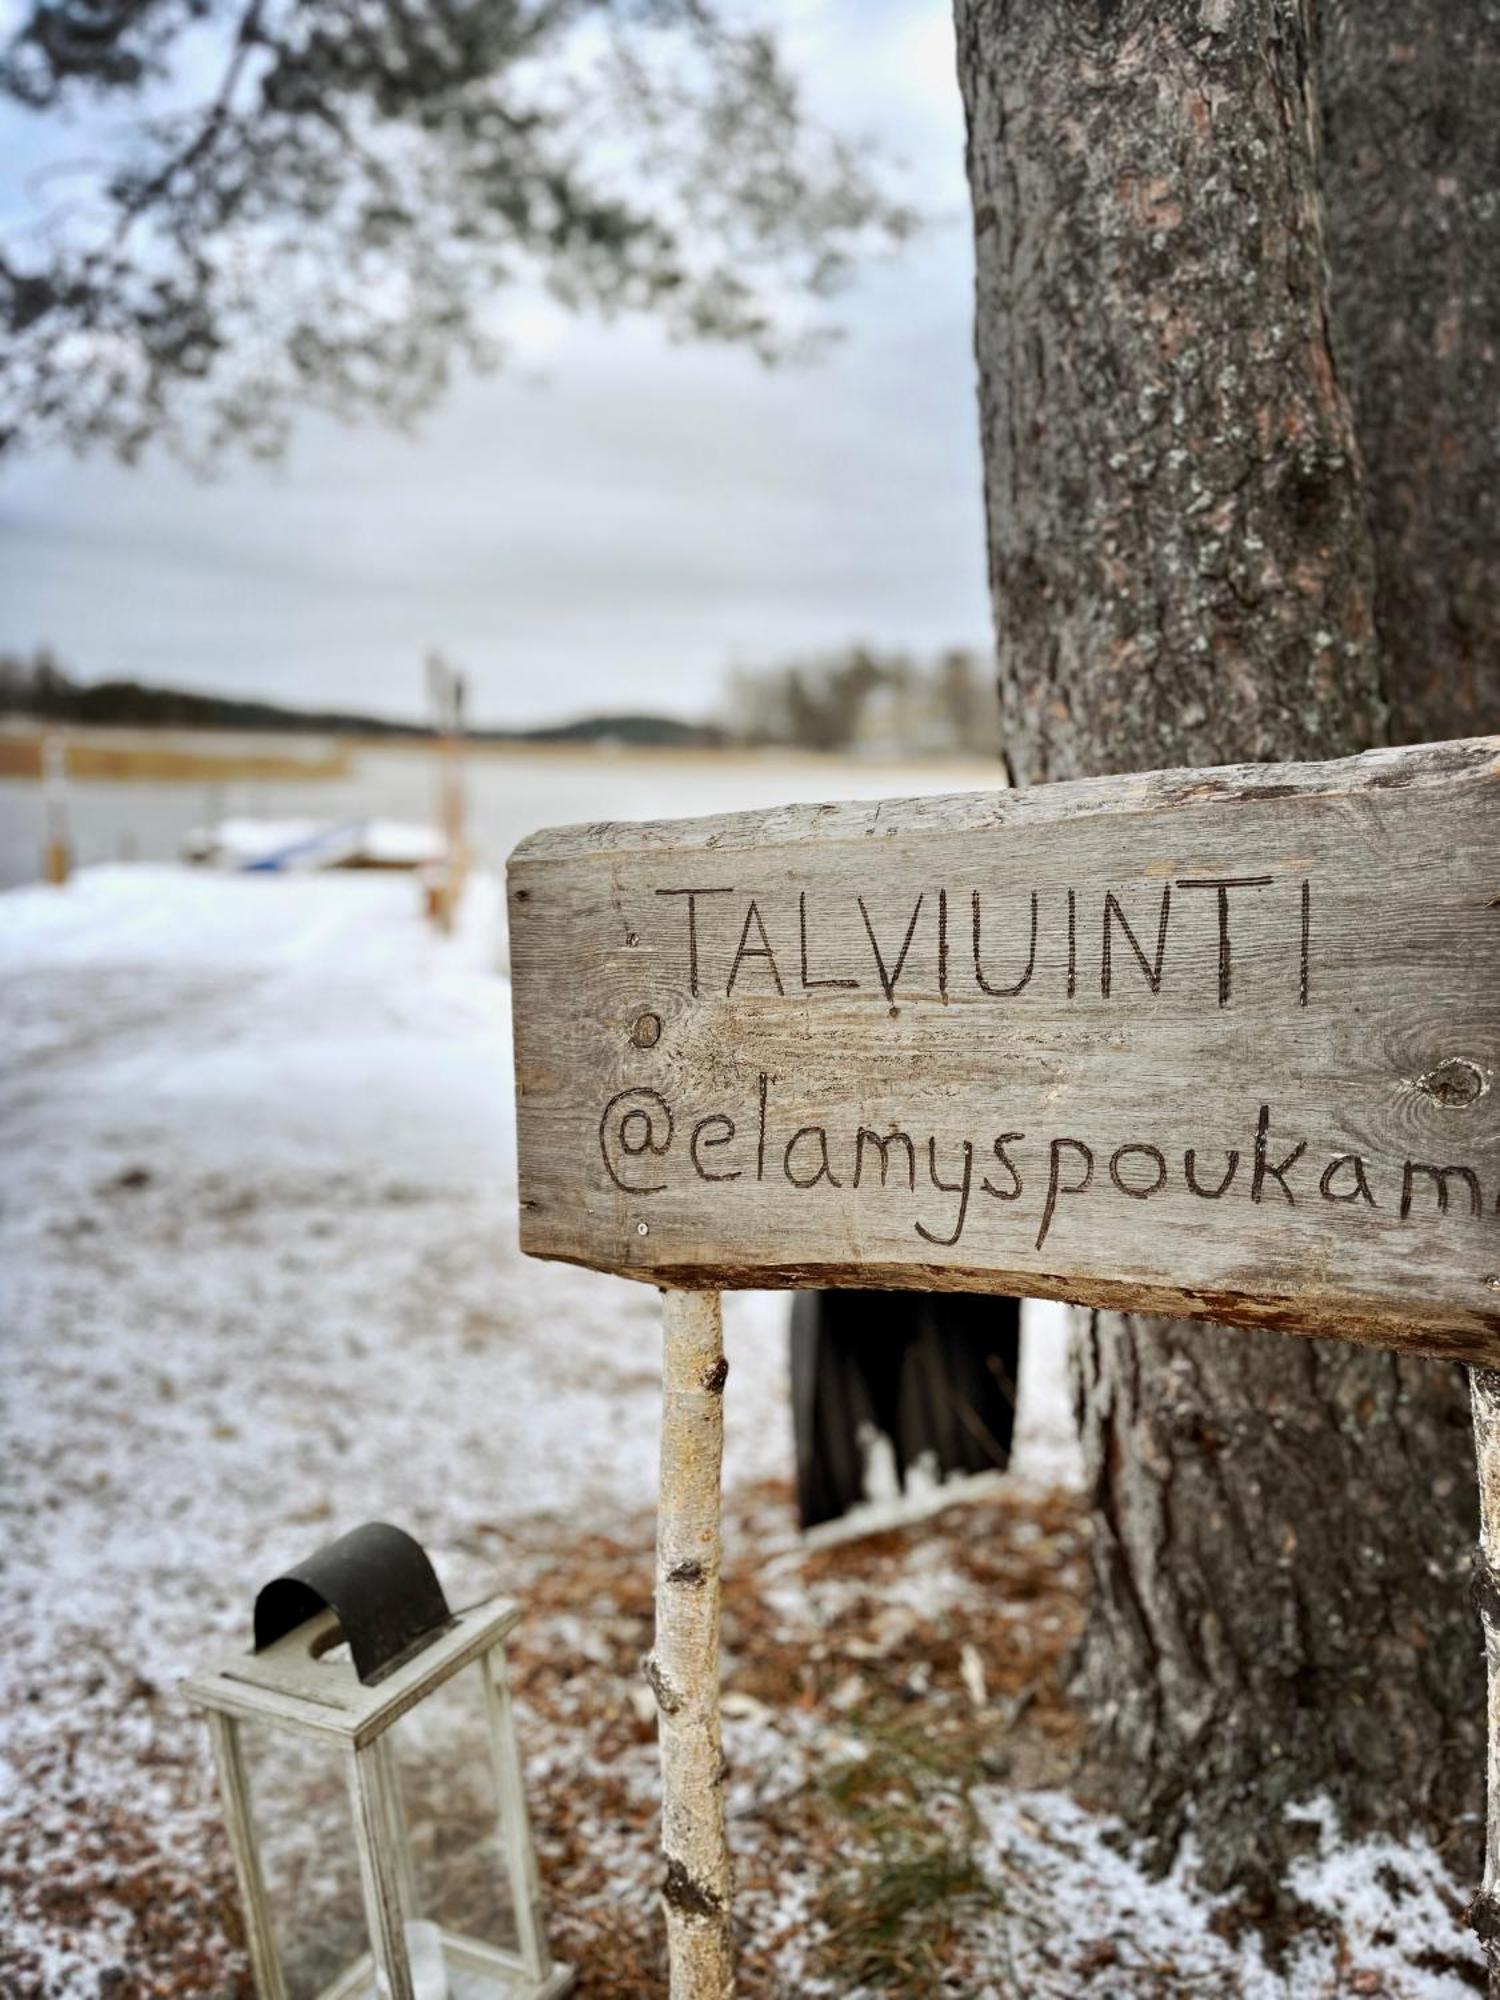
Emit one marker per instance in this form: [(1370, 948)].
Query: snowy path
[(257, 1187)]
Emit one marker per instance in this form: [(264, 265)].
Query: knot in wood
[(668, 1700), (685, 1892), (1455, 1082), (646, 1032), (686, 1572), (714, 1378)]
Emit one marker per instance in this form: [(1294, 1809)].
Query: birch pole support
[(1484, 1394), (683, 1668)]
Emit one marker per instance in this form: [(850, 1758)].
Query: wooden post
[(1484, 1394), (683, 1669), (447, 691), (58, 861)]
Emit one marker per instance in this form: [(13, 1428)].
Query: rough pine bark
[(1411, 104), (1182, 572)]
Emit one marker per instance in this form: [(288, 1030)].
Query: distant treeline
[(645, 730), (887, 704), (880, 703), (40, 687), (37, 687)]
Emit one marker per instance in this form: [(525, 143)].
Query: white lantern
[(349, 1646)]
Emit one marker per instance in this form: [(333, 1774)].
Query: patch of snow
[(297, 846), (1064, 1875), (1045, 1448)]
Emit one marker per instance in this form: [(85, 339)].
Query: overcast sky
[(614, 522)]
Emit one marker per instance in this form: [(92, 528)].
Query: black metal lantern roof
[(379, 1583)]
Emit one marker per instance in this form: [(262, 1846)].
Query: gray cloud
[(614, 520)]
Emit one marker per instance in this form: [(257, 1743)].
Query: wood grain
[(1087, 1067)]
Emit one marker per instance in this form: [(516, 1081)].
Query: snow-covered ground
[(258, 1282)]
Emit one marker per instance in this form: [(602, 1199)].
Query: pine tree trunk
[(1411, 99), (1182, 572)]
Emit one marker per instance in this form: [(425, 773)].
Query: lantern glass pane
[(451, 1804), (299, 1804)]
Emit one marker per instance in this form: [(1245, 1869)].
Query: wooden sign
[(1221, 1043)]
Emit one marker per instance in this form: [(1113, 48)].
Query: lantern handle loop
[(381, 1586)]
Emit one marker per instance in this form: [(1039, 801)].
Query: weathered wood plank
[(1220, 1043)]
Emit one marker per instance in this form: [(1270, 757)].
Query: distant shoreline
[(97, 753), (161, 756)]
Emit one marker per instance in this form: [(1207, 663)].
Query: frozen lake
[(511, 792)]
